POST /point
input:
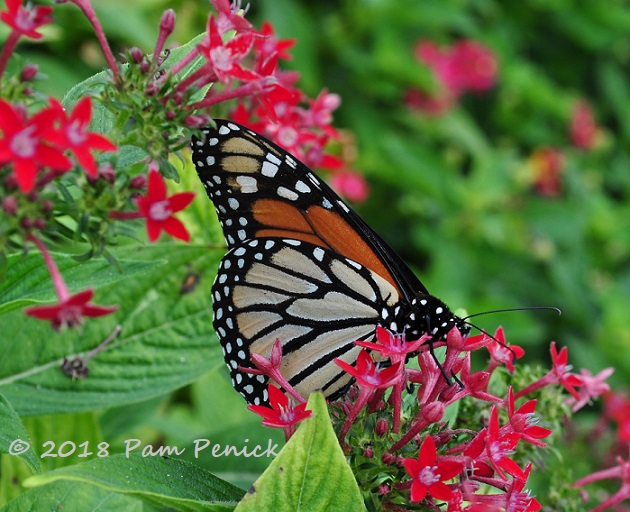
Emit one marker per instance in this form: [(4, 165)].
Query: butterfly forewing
[(260, 190)]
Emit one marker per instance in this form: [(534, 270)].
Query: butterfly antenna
[(529, 308)]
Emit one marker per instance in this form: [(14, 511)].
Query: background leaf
[(167, 340), (159, 481)]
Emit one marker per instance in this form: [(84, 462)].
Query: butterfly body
[(301, 267)]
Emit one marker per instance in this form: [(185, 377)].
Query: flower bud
[(136, 54), (389, 459), (107, 172), (368, 452), (39, 223), (433, 412), (10, 205), (198, 121), (138, 182), (29, 72), (170, 115), (27, 223), (167, 23), (384, 490), (381, 427), (47, 206), (145, 66)]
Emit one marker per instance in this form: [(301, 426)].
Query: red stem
[(7, 50), (89, 13), (57, 279)]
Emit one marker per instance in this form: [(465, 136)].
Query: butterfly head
[(428, 314)]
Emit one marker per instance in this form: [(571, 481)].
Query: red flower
[(523, 421), (281, 414), (225, 58), (368, 375), (269, 45), (26, 20), (394, 347), (561, 369), (503, 353), (69, 312), (591, 387), (158, 209), (583, 127), (500, 446), (74, 134), (23, 144), (428, 475), (229, 17), (471, 67), (516, 499)]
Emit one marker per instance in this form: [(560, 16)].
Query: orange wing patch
[(318, 226)]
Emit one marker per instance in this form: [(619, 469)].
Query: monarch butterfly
[(301, 267)]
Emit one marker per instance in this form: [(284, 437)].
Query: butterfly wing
[(316, 302), (302, 267), (259, 189)]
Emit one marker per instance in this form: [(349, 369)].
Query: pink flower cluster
[(448, 468), (467, 66)]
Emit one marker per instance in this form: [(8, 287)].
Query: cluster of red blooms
[(35, 147), (467, 66), (269, 101), (471, 461)]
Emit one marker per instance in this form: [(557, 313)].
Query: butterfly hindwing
[(311, 299)]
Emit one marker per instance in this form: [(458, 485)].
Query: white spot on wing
[(248, 184), (269, 169), (287, 194)]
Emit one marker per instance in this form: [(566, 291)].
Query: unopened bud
[(29, 72), (10, 205), (136, 54), (368, 452), (389, 459), (138, 182), (167, 23), (381, 427), (107, 172), (39, 223), (196, 121), (433, 412)]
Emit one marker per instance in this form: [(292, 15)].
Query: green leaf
[(64, 496), (27, 280), (310, 473), (167, 340), (13, 436), (159, 481)]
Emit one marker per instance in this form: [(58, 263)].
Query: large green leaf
[(14, 439), (166, 342), (160, 481), (310, 473), (64, 496)]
